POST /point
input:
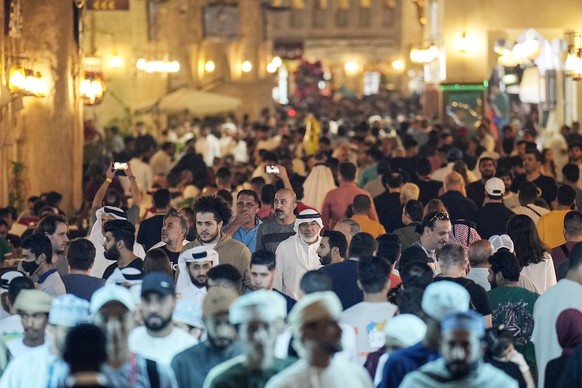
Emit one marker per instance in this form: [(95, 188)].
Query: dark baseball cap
[(158, 282)]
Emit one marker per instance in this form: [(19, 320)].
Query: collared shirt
[(249, 238)]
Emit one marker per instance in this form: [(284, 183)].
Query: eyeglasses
[(247, 205), (438, 216)]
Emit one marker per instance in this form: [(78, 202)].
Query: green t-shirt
[(513, 308)]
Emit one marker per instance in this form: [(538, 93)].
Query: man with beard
[(263, 270), (50, 370), (434, 233), (174, 231), (158, 339), (317, 337), (112, 309), (211, 214), (297, 254), (118, 246), (476, 190), (462, 362), (332, 248), (280, 227), (56, 229), (258, 318), (193, 267), (439, 299), (192, 365)]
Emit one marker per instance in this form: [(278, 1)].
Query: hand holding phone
[(120, 166), (272, 170)]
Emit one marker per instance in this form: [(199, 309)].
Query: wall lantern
[(27, 82), (246, 66), (92, 87), (574, 58)]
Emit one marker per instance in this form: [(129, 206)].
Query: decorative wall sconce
[(157, 66), (27, 82), (116, 61), (463, 43), (425, 54), (209, 66), (246, 66), (574, 58), (92, 87)]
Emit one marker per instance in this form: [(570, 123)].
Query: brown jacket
[(230, 252)]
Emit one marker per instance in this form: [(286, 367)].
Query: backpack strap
[(153, 374), (539, 215)]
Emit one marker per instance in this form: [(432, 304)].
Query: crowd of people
[(297, 251)]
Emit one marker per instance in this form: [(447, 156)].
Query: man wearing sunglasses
[(434, 234)]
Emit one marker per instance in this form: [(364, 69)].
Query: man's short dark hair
[(571, 172), (16, 285), (81, 254), (121, 230), (527, 192), (409, 301), (48, 224), (373, 273), (392, 179), (389, 247), (362, 203), (315, 281), (262, 257), (39, 243), (414, 209), (223, 174), (214, 205), (535, 152), (486, 159), (250, 193), (423, 167), (566, 195), (575, 144), (416, 274), (506, 263), (337, 240), (362, 244), (226, 272), (162, 198), (573, 223), (348, 171)]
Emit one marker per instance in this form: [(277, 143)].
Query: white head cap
[(111, 293), (501, 241), (261, 305), (444, 297), (405, 330)]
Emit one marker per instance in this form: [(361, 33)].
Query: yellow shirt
[(551, 228), (369, 226)]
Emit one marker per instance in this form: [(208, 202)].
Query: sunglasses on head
[(438, 216)]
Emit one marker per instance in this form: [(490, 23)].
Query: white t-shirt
[(368, 320), (564, 295), (339, 374), (160, 349), (542, 274), (17, 348)]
